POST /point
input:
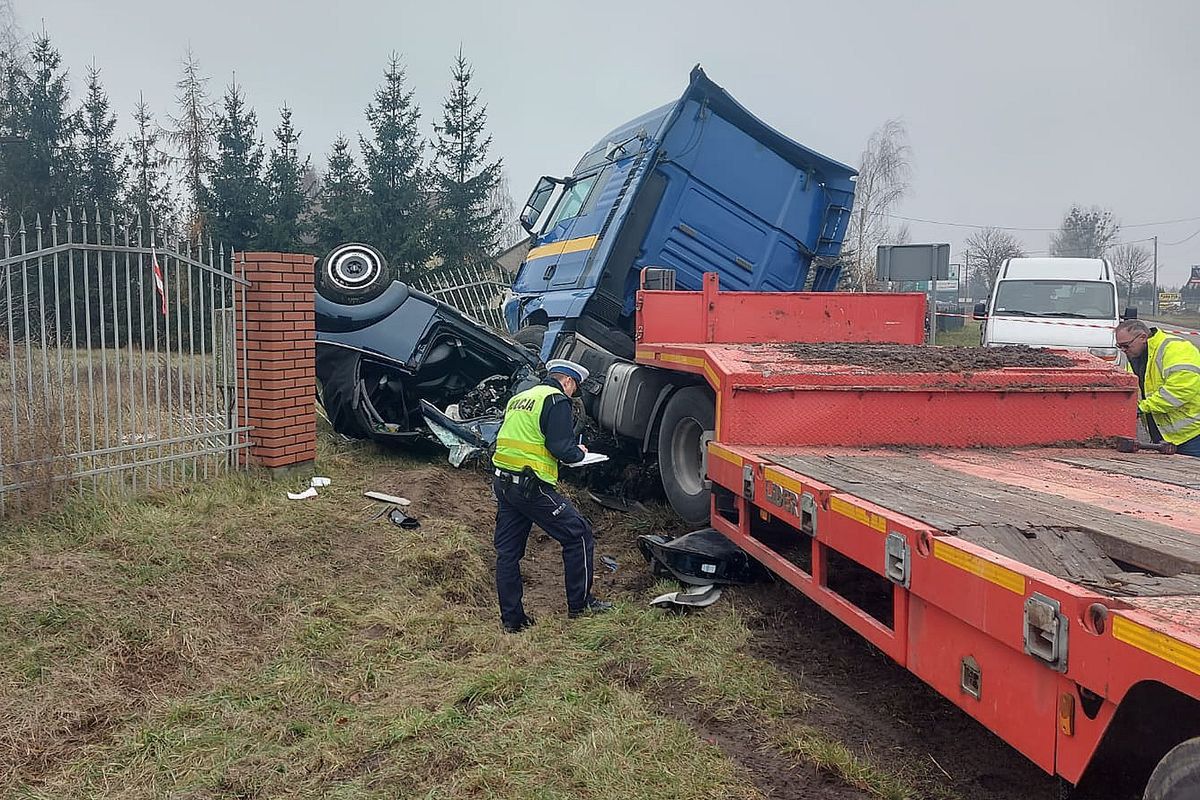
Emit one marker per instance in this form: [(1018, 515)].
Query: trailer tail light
[(1066, 714)]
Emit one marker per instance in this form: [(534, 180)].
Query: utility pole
[(1154, 298)]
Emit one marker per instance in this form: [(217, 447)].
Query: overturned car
[(389, 357)]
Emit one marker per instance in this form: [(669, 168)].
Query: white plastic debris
[(307, 493), (319, 482), (388, 498), (691, 597)]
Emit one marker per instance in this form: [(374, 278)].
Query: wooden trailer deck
[(1122, 525)]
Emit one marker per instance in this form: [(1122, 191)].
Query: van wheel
[(1177, 776), (687, 425), (531, 338)]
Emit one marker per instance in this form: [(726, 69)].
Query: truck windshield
[(1074, 299), (572, 200)]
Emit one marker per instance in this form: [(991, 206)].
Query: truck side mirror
[(1130, 313), (537, 202), (980, 311)]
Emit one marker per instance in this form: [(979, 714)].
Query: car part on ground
[(699, 558), (689, 597)]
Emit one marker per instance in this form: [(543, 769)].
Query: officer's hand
[(583, 448), (1169, 449)]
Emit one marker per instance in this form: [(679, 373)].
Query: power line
[(1016, 228), (1181, 241)]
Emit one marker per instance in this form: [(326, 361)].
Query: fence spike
[(54, 227)]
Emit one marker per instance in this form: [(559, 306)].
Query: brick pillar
[(279, 360)]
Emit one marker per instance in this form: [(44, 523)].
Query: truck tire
[(1177, 776), (531, 337), (688, 417), (353, 273)]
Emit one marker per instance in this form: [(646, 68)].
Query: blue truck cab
[(698, 185)]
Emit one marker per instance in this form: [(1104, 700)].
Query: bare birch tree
[(1132, 264), (986, 251), (884, 170)]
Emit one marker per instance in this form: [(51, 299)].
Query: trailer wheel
[(353, 273), (531, 338), (687, 419), (1177, 776)]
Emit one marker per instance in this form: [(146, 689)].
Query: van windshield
[(1073, 299)]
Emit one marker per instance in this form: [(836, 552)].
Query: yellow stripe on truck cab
[(565, 246)]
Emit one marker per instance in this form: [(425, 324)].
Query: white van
[(1067, 303)]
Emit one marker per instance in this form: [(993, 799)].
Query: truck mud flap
[(699, 558)]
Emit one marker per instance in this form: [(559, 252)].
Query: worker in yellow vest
[(1168, 370), (536, 435)]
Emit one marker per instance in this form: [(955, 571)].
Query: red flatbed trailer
[(952, 519)]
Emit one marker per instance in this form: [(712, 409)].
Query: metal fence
[(118, 355), (477, 291)]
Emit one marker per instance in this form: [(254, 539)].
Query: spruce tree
[(341, 200), (287, 201), (10, 130), (101, 176), (236, 198), (147, 187), (467, 223), (41, 171), (191, 135), (397, 209)]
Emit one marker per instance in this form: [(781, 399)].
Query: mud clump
[(919, 358)]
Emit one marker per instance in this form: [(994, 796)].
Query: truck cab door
[(561, 253)]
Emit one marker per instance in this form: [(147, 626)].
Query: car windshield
[(1072, 299)]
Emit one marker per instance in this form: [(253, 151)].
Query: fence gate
[(478, 291), (118, 356)]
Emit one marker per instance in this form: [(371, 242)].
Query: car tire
[(686, 425), (531, 338), (353, 273), (1177, 776)]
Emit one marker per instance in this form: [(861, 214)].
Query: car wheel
[(687, 425), (353, 273)]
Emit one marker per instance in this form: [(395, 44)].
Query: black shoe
[(593, 606), (520, 626)]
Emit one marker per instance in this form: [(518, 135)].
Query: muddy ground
[(866, 701), (919, 358)]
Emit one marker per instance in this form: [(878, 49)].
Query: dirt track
[(870, 704)]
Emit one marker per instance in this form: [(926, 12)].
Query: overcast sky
[(1015, 110)]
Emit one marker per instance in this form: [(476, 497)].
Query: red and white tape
[(1069, 324)]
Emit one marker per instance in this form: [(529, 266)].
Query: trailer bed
[(1122, 525)]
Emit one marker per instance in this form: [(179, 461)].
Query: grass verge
[(222, 641)]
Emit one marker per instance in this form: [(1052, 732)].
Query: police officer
[(1168, 369), (536, 435)]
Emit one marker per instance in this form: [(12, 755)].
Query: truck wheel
[(353, 273), (531, 337), (1177, 776), (681, 441)]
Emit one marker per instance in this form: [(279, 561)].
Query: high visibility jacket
[(1172, 387), (521, 442)]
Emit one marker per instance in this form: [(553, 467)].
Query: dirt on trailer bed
[(919, 358)]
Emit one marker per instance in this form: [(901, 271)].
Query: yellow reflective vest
[(1172, 387), (520, 442)]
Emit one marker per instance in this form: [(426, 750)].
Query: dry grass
[(57, 408), (221, 641)]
